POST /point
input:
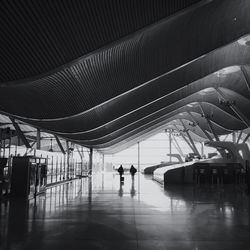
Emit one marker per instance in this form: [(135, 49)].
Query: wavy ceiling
[(106, 74)]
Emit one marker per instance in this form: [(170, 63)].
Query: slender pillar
[(235, 109), (210, 125), (234, 137), (10, 134), (60, 168), (185, 139), (190, 138), (177, 146), (38, 139), (212, 129), (90, 161), (20, 133), (246, 138), (202, 149), (170, 145), (82, 161), (103, 162), (226, 137), (59, 144), (64, 167), (4, 145), (68, 160), (1, 142), (52, 162), (238, 140), (56, 167), (203, 130), (138, 144)]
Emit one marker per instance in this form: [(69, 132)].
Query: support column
[(234, 137), (226, 137), (184, 138), (202, 149), (10, 135), (246, 138), (178, 146), (20, 133), (38, 139), (203, 130), (1, 137), (103, 162), (82, 161), (29, 150), (238, 140), (68, 160), (59, 144), (190, 138), (138, 170), (210, 125), (90, 161), (235, 109), (170, 145)]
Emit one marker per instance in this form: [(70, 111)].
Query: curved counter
[(223, 170)]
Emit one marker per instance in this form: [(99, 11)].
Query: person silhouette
[(121, 172), (132, 171)]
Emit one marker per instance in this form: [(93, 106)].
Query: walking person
[(132, 171), (121, 172)]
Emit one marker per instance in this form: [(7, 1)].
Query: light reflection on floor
[(100, 213)]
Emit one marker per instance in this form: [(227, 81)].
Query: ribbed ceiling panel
[(46, 34)]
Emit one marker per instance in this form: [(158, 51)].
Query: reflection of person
[(120, 171), (1, 180), (132, 190), (132, 171), (120, 192)]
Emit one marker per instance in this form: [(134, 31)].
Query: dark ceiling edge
[(69, 64)]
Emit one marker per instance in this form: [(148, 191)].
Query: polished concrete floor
[(99, 213)]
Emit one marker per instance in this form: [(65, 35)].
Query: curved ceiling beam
[(190, 101), (134, 62), (154, 123), (219, 117), (230, 80)]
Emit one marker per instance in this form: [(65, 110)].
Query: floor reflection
[(102, 213)]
